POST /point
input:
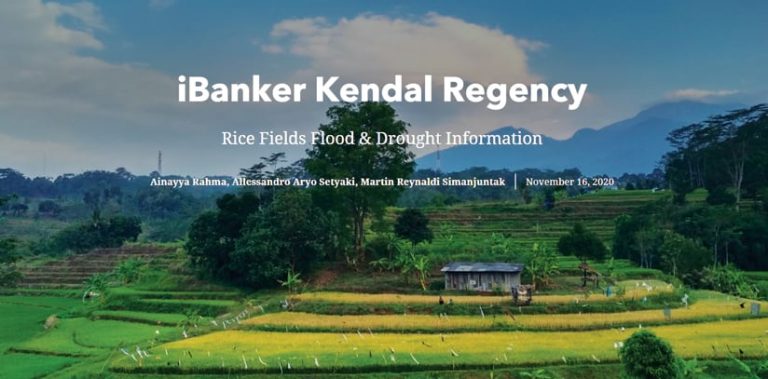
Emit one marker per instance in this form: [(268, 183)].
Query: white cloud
[(30, 25), (532, 45), (52, 90), (48, 66), (86, 113), (302, 26), (699, 94), (86, 13), (374, 48)]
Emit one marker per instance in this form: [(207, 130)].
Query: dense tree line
[(99, 232), (655, 180), (705, 243), (166, 212), (725, 153), (120, 181), (658, 234)]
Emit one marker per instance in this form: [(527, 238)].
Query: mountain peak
[(632, 145), (685, 110)]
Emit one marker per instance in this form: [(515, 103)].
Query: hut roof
[(482, 267)]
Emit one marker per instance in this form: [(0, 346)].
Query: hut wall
[(481, 281)]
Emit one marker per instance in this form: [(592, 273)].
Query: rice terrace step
[(73, 270)]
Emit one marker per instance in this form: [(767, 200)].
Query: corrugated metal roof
[(482, 267)]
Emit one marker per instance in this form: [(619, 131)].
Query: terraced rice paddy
[(139, 333), (21, 319), (713, 327), (634, 289), (704, 310), (80, 336), (141, 317), (72, 271), (277, 351), (78, 345), (216, 303), (525, 225)]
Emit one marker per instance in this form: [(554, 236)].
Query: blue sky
[(90, 85), (649, 46)]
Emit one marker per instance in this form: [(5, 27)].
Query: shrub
[(647, 356), (582, 243), (128, 271), (252, 245), (720, 196), (384, 246), (729, 279), (9, 275), (413, 225), (98, 232)]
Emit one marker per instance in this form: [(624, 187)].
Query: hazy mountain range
[(634, 145)]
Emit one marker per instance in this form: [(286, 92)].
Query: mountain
[(633, 145)]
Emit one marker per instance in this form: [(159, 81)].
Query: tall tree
[(413, 225), (261, 170), (257, 171), (273, 160), (582, 243), (288, 236), (683, 258), (647, 242), (8, 257), (213, 234), (374, 161)]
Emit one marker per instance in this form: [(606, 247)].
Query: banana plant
[(291, 281)]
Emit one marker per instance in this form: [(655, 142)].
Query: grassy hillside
[(467, 229), (349, 323), (73, 270)]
